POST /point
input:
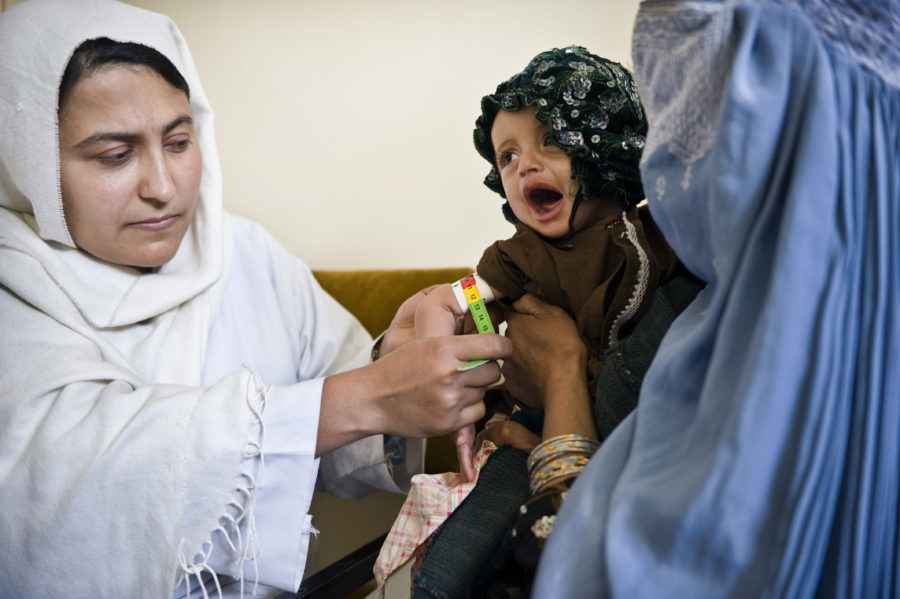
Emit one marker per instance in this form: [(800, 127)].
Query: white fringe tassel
[(239, 512)]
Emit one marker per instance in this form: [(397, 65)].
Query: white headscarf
[(115, 467)]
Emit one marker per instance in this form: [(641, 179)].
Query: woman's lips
[(156, 224)]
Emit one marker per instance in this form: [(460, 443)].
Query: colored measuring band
[(479, 314)]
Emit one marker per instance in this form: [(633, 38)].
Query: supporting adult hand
[(548, 368), (546, 348), (414, 391)]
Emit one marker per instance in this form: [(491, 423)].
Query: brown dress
[(603, 276)]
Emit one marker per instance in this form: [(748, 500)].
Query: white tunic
[(297, 334), (134, 406)]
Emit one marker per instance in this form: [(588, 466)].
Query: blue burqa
[(763, 457)]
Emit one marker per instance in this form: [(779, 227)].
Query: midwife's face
[(129, 166)]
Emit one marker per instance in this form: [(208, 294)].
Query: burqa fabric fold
[(763, 458)]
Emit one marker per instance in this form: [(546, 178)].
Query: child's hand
[(509, 433), (464, 439), (500, 434)]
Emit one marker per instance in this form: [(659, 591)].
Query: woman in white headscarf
[(168, 372)]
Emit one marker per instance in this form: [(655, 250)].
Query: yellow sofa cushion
[(373, 296)]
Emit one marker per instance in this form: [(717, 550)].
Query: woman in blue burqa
[(762, 459)]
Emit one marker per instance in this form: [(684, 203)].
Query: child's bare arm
[(439, 312)]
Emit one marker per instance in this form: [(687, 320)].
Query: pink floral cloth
[(432, 498)]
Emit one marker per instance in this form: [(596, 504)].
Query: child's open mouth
[(545, 203)]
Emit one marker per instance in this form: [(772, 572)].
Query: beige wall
[(345, 126)]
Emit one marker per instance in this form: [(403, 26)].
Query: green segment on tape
[(479, 314)]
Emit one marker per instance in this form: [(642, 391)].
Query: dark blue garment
[(467, 555), (763, 457)]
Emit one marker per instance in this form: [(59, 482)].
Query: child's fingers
[(464, 439), (464, 454), (509, 433)]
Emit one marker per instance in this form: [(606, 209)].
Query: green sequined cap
[(594, 113)]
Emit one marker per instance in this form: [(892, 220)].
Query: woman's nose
[(157, 182)]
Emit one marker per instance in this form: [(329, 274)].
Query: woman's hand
[(548, 368), (546, 350), (403, 326), (415, 391)]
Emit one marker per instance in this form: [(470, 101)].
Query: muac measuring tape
[(479, 313)]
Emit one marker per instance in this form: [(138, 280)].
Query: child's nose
[(529, 161)]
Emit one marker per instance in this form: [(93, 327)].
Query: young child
[(564, 138)]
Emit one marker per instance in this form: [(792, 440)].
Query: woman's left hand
[(403, 327)]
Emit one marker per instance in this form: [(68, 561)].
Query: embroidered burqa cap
[(594, 113)]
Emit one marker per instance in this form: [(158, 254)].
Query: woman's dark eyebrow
[(130, 137), (181, 120)]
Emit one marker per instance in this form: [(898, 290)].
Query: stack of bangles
[(557, 459)]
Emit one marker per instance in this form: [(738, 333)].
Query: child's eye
[(548, 140), (505, 158)]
